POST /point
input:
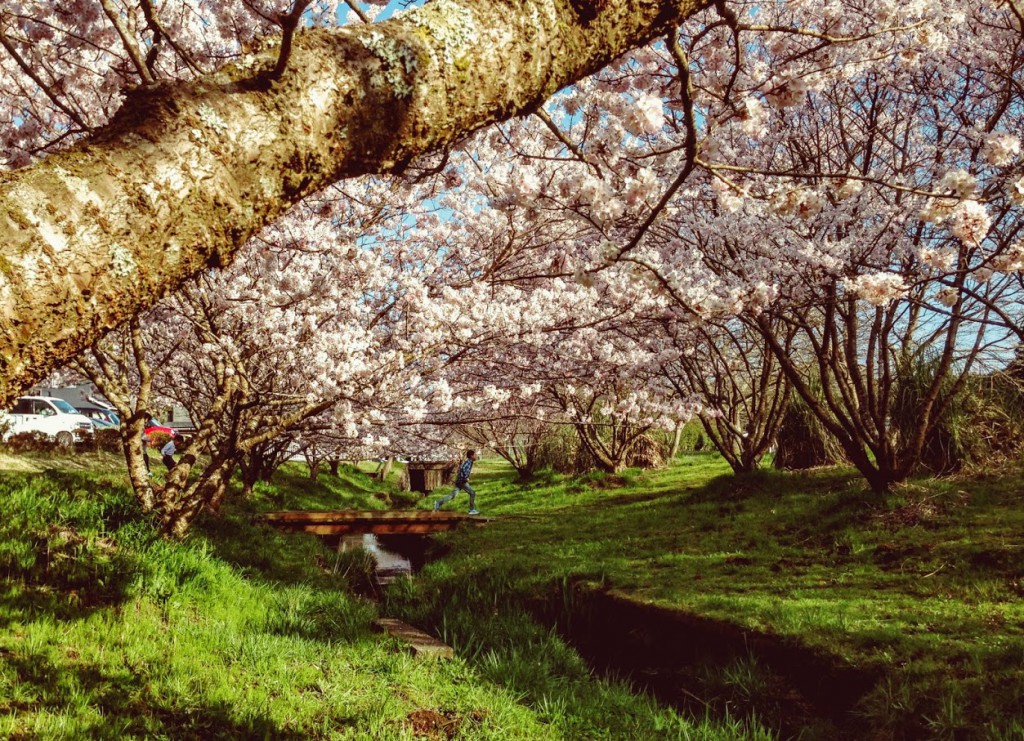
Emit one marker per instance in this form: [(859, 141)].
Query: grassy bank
[(919, 592), (240, 632)]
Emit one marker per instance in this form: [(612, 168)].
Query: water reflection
[(395, 555)]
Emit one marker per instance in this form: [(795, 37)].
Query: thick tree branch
[(187, 172), (354, 7)]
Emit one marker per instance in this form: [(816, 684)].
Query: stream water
[(395, 555)]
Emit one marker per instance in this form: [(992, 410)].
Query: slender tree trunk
[(182, 506), (251, 473), (135, 453), (677, 440), (384, 469)]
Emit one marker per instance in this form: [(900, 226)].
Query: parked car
[(102, 419), (48, 416)]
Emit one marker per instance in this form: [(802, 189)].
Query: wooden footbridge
[(344, 522)]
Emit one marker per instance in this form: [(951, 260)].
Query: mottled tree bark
[(186, 173)]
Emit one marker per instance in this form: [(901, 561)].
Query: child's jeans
[(465, 487)]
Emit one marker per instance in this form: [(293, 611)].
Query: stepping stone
[(421, 644)]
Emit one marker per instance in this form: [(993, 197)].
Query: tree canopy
[(191, 165), (604, 215)]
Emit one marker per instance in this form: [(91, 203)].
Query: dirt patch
[(908, 515), (609, 481), (920, 511), (432, 724)]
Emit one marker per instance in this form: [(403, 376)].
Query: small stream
[(662, 651), (395, 555)]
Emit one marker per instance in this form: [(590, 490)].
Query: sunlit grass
[(240, 631), (108, 631), (922, 587)]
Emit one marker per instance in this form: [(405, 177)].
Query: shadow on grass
[(258, 549), (60, 553), (763, 482), (20, 602), (126, 702), (292, 488)]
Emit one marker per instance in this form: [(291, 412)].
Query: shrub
[(559, 450), (692, 438), (981, 424), (107, 439), (31, 442), (803, 442), (646, 453), (159, 439)]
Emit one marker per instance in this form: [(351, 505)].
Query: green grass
[(107, 631), (920, 590)]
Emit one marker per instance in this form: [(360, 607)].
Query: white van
[(48, 415)]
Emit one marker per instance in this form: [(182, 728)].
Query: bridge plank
[(384, 522), (422, 645)]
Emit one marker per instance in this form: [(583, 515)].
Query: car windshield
[(63, 407)]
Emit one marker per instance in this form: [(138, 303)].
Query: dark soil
[(673, 655)]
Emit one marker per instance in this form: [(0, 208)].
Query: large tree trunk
[(255, 465), (186, 173)]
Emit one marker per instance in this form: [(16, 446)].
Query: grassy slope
[(923, 588), (239, 632)]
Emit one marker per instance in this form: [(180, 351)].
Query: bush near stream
[(108, 631)]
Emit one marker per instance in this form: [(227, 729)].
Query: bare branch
[(129, 43), (288, 25), (729, 16), (569, 144), (27, 69), (160, 34)]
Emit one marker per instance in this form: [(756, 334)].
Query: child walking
[(462, 482)]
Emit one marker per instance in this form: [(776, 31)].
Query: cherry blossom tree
[(742, 390), (873, 209), (160, 162), (297, 337), (842, 178)]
